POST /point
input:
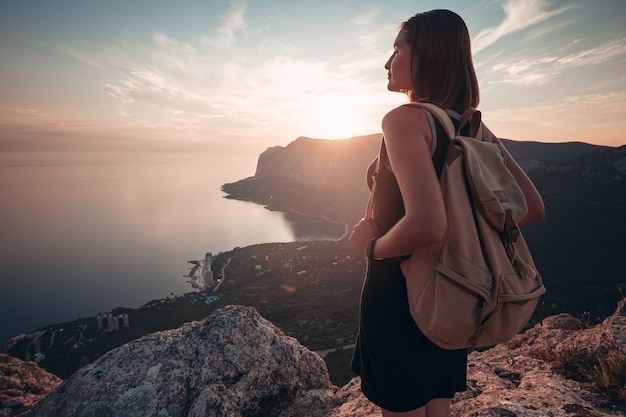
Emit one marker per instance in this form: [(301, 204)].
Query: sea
[(76, 240)]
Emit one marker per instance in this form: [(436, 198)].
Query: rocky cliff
[(312, 176), (327, 177), (236, 364), (327, 164)]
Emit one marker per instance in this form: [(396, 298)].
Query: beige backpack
[(479, 286)]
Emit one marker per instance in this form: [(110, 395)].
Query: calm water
[(75, 240)]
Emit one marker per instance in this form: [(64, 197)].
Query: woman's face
[(399, 65)]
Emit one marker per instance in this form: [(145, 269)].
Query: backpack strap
[(441, 115), (471, 116), (466, 117), (370, 201)]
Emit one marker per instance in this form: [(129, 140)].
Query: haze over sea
[(80, 239)]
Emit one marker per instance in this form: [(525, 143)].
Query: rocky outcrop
[(235, 363), (520, 378), (319, 163), (314, 177), (513, 380), (22, 384)]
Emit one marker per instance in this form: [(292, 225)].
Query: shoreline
[(301, 222)]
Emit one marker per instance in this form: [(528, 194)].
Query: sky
[(105, 81)]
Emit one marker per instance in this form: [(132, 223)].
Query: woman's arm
[(408, 139)]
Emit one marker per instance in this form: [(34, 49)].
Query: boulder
[(22, 384), (234, 363)]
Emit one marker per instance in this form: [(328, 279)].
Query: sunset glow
[(334, 117), (106, 79)]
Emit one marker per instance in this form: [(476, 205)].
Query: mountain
[(528, 150), (325, 178), (236, 363), (580, 248)]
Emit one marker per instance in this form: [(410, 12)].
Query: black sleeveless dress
[(400, 369)]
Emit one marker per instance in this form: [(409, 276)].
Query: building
[(207, 272)]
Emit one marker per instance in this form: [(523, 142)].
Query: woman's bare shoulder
[(404, 115), (405, 120)]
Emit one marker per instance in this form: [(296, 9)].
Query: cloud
[(99, 60), (233, 22), (541, 31), (580, 111), (535, 71), (609, 84), (524, 72), (519, 15), (592, 118), (367, 17), (223, 85), (25, 111), (601, 53), (191, 85)]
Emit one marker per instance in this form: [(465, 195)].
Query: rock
[(22, 384), (319, 163), (350, 402), (503, 382), (541, 340), (600, 340), (234, 363), (314, 177), (518, 378)]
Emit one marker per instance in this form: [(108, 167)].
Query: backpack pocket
[(514, 310), (449, 309)]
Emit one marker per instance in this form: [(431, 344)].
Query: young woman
[(401, 370)]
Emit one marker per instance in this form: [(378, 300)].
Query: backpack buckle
[(511, 230)]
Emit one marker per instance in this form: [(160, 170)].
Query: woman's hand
[(362, 233)]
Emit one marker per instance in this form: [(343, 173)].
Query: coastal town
[(201, 276), (47, 344), (34, 345)]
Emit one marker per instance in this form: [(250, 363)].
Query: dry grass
[(605, 371), (609, 374)]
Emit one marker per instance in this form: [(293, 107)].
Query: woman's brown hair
[(442, 71)]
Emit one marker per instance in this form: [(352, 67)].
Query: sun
[(334, 116)]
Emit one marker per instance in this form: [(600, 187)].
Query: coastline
[(306, 226), (303, 223), (322, 277)]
